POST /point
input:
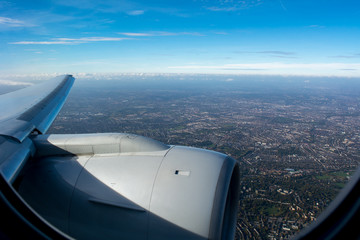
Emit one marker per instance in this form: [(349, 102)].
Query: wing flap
[(17, 129)]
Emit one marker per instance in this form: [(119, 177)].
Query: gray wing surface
[(28, 110), (33, 108)]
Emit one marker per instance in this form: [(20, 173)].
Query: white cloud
[(40, 42), (105, 6), (276, 52), (136, 34), (159, 33), (230, 5), (91, 39), (70, 41), (316, 26), (14, 83), (355, 55), (278, 65), (27, 79), (312, 69), (11, 22), (136, 12), (221, 9)]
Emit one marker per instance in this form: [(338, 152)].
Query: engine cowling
[(124, 186)]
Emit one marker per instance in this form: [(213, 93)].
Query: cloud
[(230, 5), (11, 22), (38, 20), (279, 65), (129, 7), (280, 68), (316, 26), (222, 9), (136, 34), (243, 69), (91, 39), (158, 33), (40, 42), (136, 12), (276, 53), (272, 53), (356, 55), (56, 41), (283, 6), (14, 83)]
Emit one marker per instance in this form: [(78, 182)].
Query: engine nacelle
[(123, 186)]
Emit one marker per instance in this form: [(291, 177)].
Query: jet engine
[(124, 186)]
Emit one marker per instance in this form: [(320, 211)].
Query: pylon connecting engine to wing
[(123, 186)]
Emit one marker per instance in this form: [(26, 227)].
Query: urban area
[(297, 139)]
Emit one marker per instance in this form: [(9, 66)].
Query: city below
[(297, 139)]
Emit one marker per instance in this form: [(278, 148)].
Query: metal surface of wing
[(33, 108)]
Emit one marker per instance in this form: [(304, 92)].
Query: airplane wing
[(33, 108), (24, 112)]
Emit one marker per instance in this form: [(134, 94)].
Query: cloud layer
[(159, 33), (56, 41), (314, 69)]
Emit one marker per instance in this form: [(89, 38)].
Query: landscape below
[(297, 139)]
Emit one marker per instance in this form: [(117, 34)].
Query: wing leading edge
[(33, 108)]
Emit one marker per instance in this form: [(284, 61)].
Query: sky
[(267, 37)]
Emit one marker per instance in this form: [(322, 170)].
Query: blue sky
[(286, 37)]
